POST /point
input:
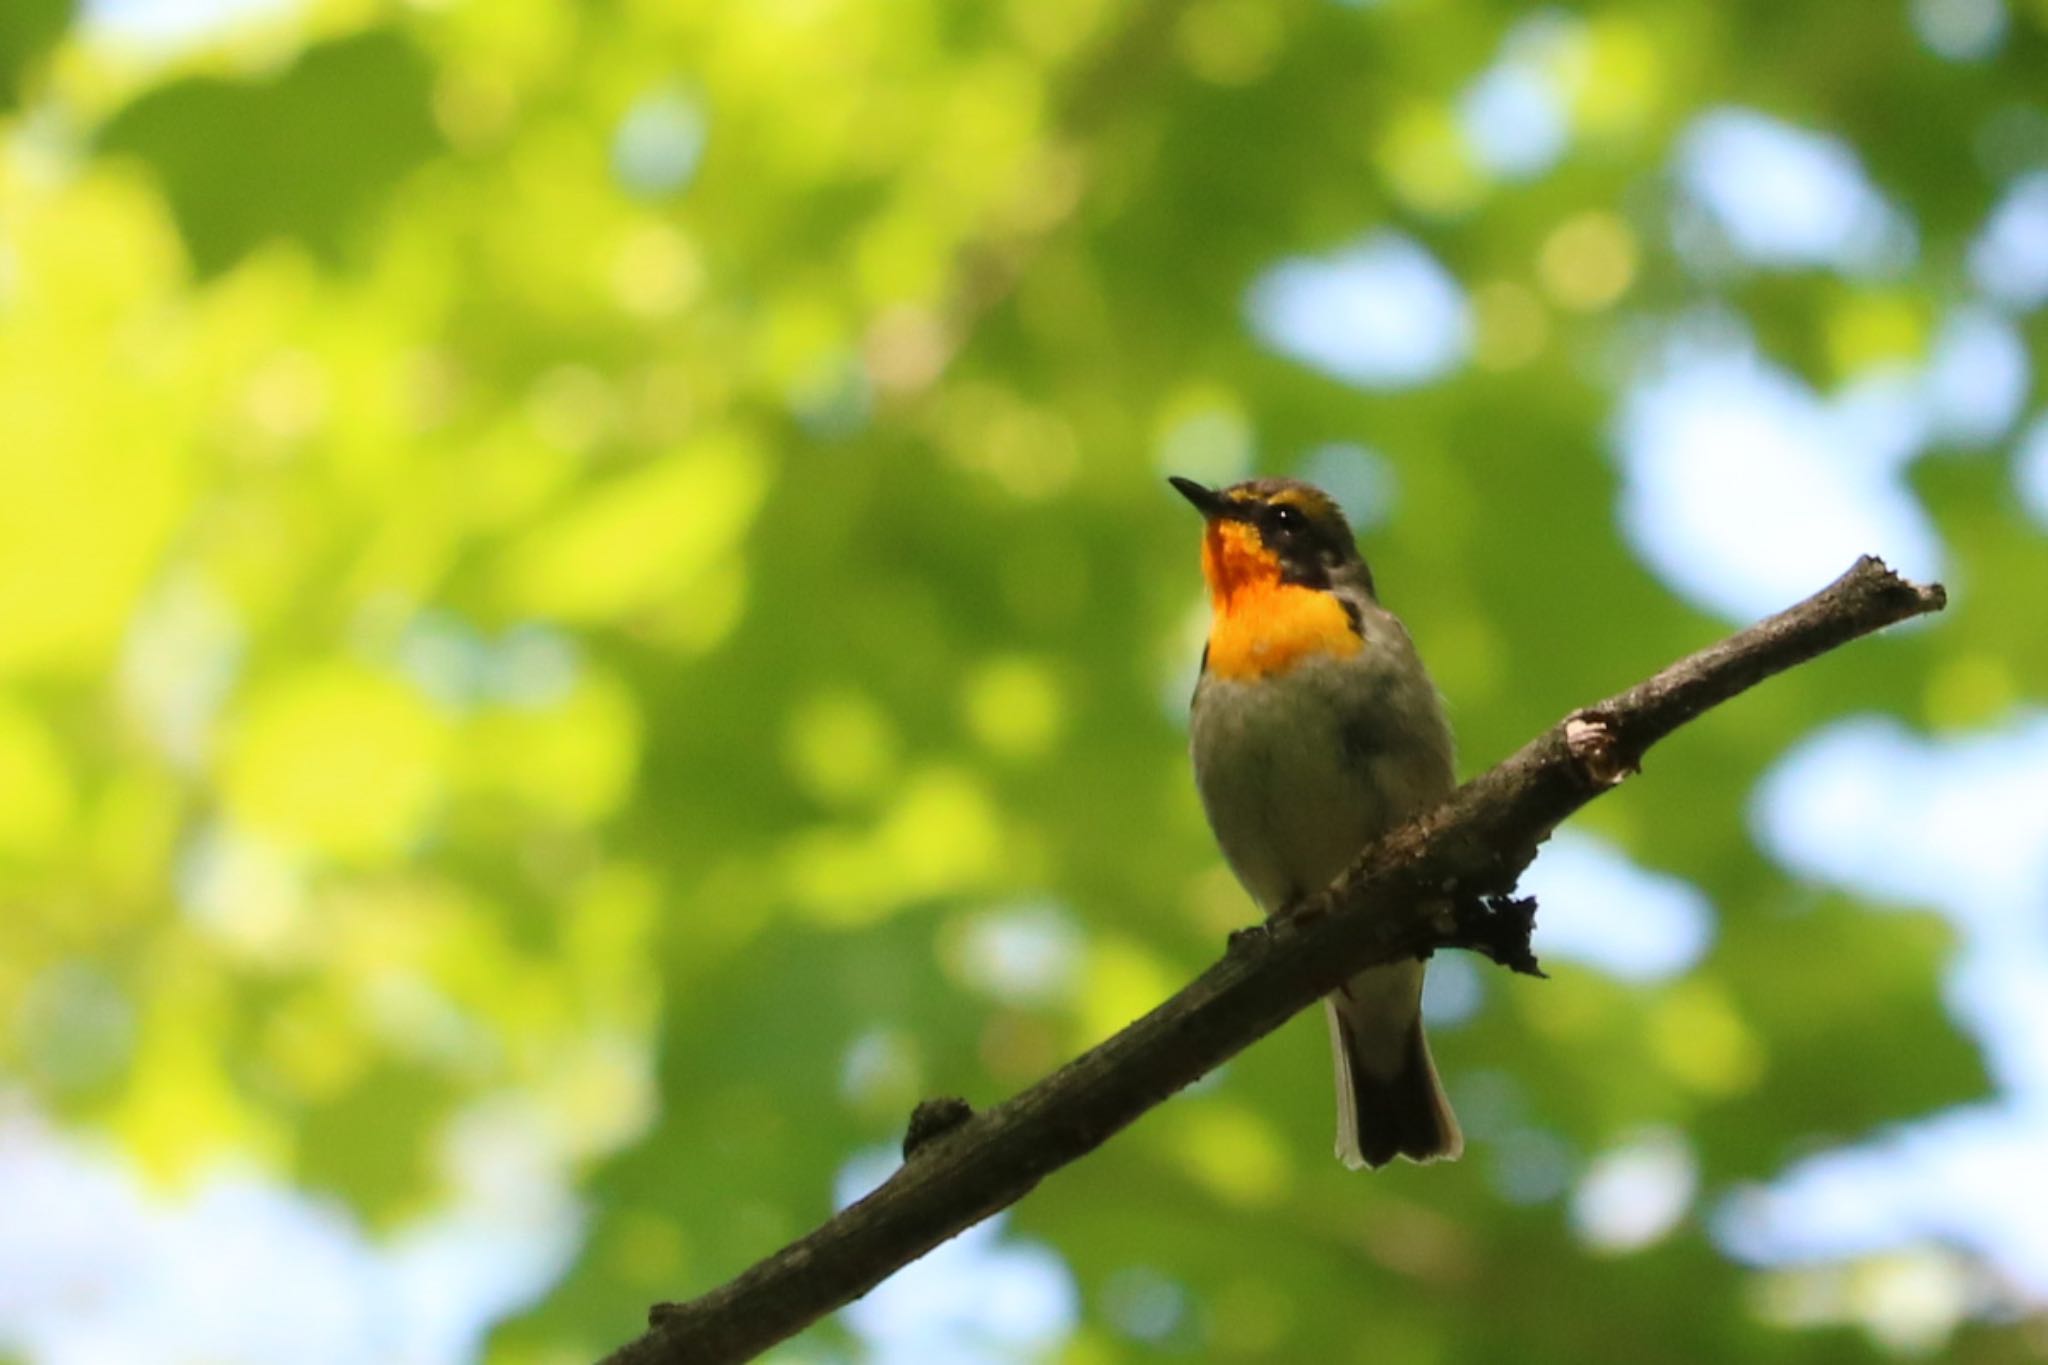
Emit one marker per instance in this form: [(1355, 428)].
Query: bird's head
[(1265, 533)]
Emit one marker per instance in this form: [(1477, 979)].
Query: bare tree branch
[(1440, 881)]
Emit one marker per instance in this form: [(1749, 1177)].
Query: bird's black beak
[(1207, 501)]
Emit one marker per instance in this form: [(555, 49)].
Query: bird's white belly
[(1291, 805)]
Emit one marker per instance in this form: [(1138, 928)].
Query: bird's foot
[(1248, 939)]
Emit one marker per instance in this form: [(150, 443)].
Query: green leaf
[(311, 156), (28, 30)]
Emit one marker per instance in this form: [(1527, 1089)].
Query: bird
[(1313, 730)]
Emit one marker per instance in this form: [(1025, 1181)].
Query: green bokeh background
[(485, 621)]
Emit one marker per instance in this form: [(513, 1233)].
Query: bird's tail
[(1389, 1100)]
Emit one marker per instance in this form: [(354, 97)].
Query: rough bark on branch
[(1440, 881)]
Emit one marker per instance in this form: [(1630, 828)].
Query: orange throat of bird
[(1261, 625)]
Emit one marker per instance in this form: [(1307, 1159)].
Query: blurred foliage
[(314, 151), (597, 552), (27, 30)]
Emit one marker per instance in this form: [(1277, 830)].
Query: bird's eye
[(1288, 519)]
